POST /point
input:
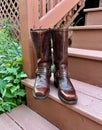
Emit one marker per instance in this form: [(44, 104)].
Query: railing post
[(28, 19)]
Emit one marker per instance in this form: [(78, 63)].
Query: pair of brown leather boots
[(42, 40)]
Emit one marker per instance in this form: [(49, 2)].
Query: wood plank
[(7, 123), (62, 8), (88, 89), (29, 120), (90, 27), (93, 16), (63, 117), (85, 70), (84, 53), (88, 105), (87, 37), (92, 9), (27, 10)]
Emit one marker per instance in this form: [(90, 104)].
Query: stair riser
[(87, 39), (93, 18), (86, 70), (56, 113)]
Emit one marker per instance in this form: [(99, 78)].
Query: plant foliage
[(11, 71)]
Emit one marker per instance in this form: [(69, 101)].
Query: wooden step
[(23, 118), (85, 115), (6, 123), (93, 16), (85, 65), (87, 37)]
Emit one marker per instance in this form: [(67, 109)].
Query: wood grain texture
[(29, 120), (7, 123), (86, 114)]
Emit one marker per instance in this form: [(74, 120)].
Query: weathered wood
[(93, 16), (29, 120), (84, 115), (87, 37), (30, 18), (85, 65), (51, 18), (27, 21), (7, 123)]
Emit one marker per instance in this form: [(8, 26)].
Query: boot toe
[(41, 93), (67, 97)]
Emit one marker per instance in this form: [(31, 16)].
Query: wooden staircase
[(85, 54), (85, 67), (23, 118)]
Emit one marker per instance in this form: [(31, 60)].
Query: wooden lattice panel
[(9, 9)]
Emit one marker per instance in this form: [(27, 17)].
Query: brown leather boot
[(66, 91), (41, 39)]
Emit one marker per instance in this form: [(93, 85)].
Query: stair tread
[(89, 98), (27, 119), (7, 123), (93, 9), (85, 53), (85, 27)]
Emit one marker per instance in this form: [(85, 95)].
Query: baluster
[(47, 5), (39, 8), (51, 4), (36, 13), (43, 7)]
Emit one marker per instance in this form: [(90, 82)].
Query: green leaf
[(23, 75), (10, 95), (3, 72), (1, 100), (7, 107), (1, 109), (9, 85), (14, 88), (12, 70), (9, 78), (16, 81), (2, 83), (21, 92), (4, 93)]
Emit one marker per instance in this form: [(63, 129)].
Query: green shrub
[(11, 71)]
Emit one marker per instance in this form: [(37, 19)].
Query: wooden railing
[(56, 12), (43, 14)]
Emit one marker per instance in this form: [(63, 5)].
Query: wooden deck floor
[(23, 118)]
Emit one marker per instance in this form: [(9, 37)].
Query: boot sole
[(67, 102), (41, 97)]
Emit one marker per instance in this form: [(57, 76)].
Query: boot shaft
[(60, 46), (42, 42)]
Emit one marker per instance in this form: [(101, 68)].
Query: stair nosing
[(90, 27), (84, 53), (78, 108), (93, 9), (30, 117)]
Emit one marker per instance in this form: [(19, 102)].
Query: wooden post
[(28, 19)]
